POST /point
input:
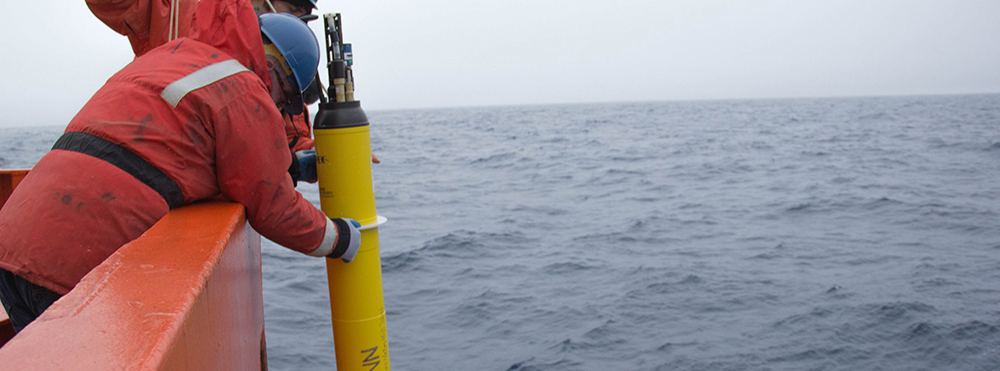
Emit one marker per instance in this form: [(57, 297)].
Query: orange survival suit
[(186, 121)]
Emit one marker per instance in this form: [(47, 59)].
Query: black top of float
[(338, 115)]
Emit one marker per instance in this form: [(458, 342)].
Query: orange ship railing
[(9, 179), (185, 295)]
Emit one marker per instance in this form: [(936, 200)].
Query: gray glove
[(348, 239)]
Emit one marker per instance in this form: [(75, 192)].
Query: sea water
[(806, 234)]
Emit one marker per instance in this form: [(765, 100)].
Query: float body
[(343, 164)]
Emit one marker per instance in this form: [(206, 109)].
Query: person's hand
[(375, 160), (307, 165), (348, 239)]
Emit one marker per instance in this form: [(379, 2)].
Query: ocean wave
[(532, 364), (402, 262), (875, 116), (461, 244), (895, 311), (542, 210), (826, 356), (495, 159), (974, 330), (568, 268), (799, 319)]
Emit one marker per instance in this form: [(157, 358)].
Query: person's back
[(149, 23)]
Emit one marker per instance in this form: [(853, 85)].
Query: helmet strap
[(272, 50)]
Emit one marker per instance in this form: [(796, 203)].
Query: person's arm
[(252, 160), (297, 127)]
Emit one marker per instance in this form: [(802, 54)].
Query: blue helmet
[(296, 43)]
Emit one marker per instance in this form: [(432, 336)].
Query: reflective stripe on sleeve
[(326, 247), (207, 75)]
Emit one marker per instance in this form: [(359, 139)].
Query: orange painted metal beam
[(9, 180), (6, 328), (185, 295)]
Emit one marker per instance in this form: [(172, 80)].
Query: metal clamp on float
[(343, 164)]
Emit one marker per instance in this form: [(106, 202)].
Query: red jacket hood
[(233, 27)]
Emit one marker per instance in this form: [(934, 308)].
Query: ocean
[(799, 234)]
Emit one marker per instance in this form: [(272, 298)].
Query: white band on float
[(379, 220)]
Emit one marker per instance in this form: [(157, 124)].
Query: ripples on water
[(823, 234)]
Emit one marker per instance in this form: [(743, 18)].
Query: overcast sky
[(448, 53)]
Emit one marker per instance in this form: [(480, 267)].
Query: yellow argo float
[(343, 164)]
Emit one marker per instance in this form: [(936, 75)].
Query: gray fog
[(446, 53)]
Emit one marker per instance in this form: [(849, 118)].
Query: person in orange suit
[(196, 118), (151, 23)]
